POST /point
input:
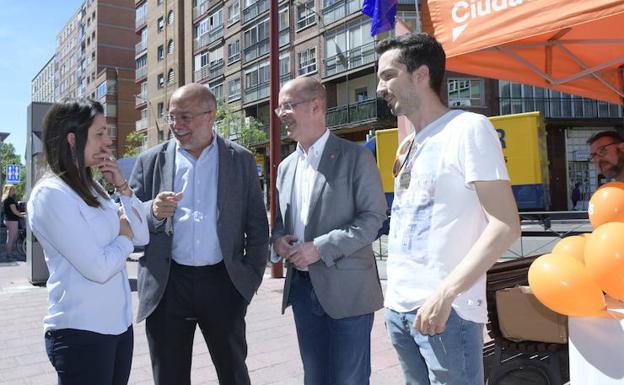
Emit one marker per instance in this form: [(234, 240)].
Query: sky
[(28, 31)]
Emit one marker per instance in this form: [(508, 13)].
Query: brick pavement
[(273, 354)]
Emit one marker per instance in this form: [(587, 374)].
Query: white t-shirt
[(437, 217)]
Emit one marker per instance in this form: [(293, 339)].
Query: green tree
[(8, 156), (230, 122), (134, 143)]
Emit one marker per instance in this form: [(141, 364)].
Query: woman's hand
[(110, 170)]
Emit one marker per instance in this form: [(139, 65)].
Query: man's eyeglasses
[(600, 151), (184, 118), (289, 107), (401, 157)]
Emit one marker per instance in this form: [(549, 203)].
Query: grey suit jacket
[(242, 224), (347, 208)]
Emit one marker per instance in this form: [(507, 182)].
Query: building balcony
[(141, 125), (209, 71), (256, 50), (140, 47), (141, 99), (341, 9), (140, 22), (200, 42), (207, 38), (215, 34), (371, 109), (140, 72), (200, 9), (257, 92), (350, 59), (567, 107), (254, 10), (284, 37), (216, 69)]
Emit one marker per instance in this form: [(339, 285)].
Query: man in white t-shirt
[(453, 215)]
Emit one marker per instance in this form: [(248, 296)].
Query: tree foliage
[(247, 131), (8, 156), (134, 143)]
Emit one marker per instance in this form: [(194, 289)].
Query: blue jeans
[(333, 351), (84, 357), (454, 357)]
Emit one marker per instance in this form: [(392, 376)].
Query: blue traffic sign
[(12, 172)]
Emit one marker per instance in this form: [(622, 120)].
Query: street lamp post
[(275, 140)]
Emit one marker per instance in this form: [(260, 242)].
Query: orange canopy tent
[(574, 46)]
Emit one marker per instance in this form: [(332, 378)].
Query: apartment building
[(160, 61), (224, 44), (42, 85), (95, 59)]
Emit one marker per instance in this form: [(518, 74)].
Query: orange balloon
[(604, 258), (563, 285), (606, 205), (572, 246), (613, 184)]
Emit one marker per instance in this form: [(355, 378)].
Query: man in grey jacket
[(208, 242), (331, 205)]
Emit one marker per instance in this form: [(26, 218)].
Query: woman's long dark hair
[(72, 116)]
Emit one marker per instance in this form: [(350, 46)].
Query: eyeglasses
[(184, 118), (289, 107), (401, 157), (601, 151)]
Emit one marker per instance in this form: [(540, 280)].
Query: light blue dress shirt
[(195, 238), (88, 285)]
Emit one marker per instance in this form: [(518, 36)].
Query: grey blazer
[(242, 224), (347, 208)]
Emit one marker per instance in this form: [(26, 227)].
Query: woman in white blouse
[(86, 239)]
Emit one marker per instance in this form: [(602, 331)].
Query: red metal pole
[(275, 142)]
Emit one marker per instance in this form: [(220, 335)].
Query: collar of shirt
[(315, 151)]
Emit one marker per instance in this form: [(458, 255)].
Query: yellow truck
[(523, 139)]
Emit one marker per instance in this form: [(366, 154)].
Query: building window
[(171, 76), (349, 48), (111, 129), (161, 81), (170, 18), (307, 61), (234, 89), (305, 14), (217, 89), (100, 91), (361, 94), (201, 60), (160, 52), (465, 92), (110, 110), (161, 24), (170, 46), (256, 41), (161, 109), (159, 2), (234, 51), (233, 13)]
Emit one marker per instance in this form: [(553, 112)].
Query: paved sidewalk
[(273, 354)]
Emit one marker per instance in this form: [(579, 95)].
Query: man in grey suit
[(208, 242), (331, 205)]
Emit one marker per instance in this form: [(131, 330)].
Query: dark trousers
[(203, 296), (83, 357), (333, 351)]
